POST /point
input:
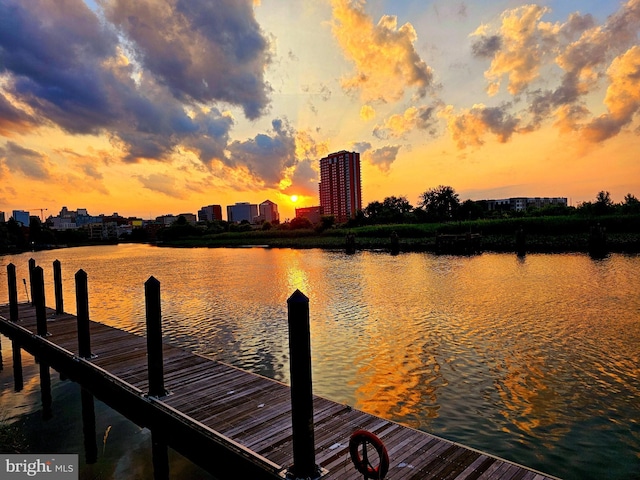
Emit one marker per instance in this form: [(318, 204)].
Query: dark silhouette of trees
[(440, 203), (630, 205), (390, 210), (299, 223)]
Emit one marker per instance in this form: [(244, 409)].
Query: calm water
[(535, 359)]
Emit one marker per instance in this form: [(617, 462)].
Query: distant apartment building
[(22, 217), (519, 204), (268, 212), (166, 220), (340, 185), (312, 214), (2, 219), (189, 217), (73, 219), (242, 211), (210, 213)]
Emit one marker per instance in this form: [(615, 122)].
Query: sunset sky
[(153, 107)]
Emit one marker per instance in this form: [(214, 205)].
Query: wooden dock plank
[(256, 412)]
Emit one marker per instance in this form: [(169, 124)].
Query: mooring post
[(89, 426), (82, 307), (154, 338), (17, 366), (13, 292), (304, 460), (32, 265), (57, 282), (159, 456), (39, 301)]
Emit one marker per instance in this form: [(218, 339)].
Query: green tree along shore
[(552, 228)]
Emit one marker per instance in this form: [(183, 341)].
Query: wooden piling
[(304, 463), (57, 282), (13, 292), (82, 307), (32, 265), (159, 456), (154, 338), (89, 426), (37, 285)]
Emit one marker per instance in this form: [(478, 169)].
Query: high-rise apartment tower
[(340, 186)]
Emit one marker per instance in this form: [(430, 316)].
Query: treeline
[(442, 204), (439, 210)]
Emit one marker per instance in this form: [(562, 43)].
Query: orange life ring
[(362, 463)]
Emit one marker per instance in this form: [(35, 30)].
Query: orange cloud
[(622, 98), (386, 62), (398, 125), (470, 126), (518, 48)]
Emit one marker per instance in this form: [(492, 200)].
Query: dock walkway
[(215, 411)]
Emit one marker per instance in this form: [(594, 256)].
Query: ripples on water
[(532, 359)]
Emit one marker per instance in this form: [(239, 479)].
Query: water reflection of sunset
[(504, 354)]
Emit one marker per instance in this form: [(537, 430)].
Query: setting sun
[(294, 198)]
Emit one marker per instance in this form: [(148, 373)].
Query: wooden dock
[(228, 420)]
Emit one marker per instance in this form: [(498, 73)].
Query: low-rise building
[(268, 212), (22, 217), (312, 214), (519, 204), (242, 211), (210, 213)]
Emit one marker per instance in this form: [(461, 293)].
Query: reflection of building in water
[(340, 185)]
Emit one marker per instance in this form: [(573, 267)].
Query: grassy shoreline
[(543, 234)]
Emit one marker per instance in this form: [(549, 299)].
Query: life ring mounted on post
[(362, 438)]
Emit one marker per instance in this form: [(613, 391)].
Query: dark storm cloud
[(203, 51), (53, 53), (64, 66), (13, 119), (267, 156)]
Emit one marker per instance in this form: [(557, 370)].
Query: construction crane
[(42, 210)]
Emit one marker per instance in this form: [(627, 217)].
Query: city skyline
[(119, 107)]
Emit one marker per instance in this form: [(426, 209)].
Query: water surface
[(532, 359)]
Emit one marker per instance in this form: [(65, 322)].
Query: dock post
[(159, 456), (37, 286), (18, 382), (89, 426), (304, 462), (32, 265), (82, 308), (154, 338), (13, 292), (57, 282)]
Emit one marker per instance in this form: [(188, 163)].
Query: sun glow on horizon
[(294, 198)]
